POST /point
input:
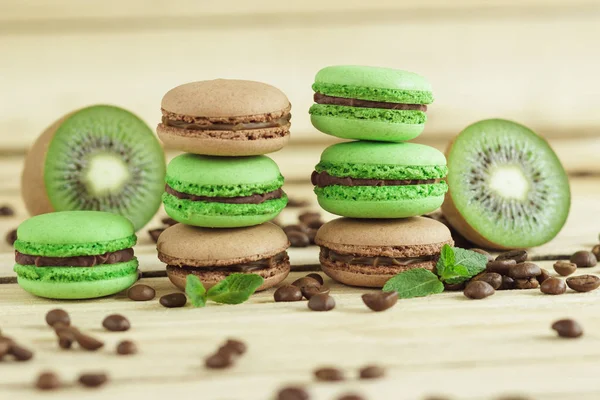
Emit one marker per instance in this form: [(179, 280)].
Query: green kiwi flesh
[(105, 158), (507, 184)]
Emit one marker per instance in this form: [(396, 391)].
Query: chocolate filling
[(248, 267), (374, 261), (342, 101), (275, 123), (77, 261), (322, 179), (252, 199)]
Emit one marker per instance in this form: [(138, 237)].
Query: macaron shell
[(272, 276), (381, 209), (366, 129), (192, 246), (78, 290), (379, 77), (275, 139), (224, 98)]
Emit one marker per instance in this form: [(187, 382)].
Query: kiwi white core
[(105, 173), (510, 182)]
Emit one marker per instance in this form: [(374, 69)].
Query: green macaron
[(370, 103), (380, 180), (223, 192), (75, 254)]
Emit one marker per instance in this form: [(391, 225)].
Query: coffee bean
[(116, 323), (351, 396), (20, 353), (567, 328), (4, 347), (321, 302), (329, 374), (583, 283), (93, 380), (518, 255), (371, 372), (565, 268), (584, 259), (529, 283), (312, 234), (221, 359), (292, 393), (596, 251), (296, 203), (126, 347), (173, 300), (493, 278), (310, 291), (541, 278), (553, 286), (6, 211), (305, 282), (524, 271), (485, 253), (66, 337), (47, 381), (155, 233), (314, 223), (11, 237), (454, 286), (236, 346), (169, 221), (500, 266), (298, 239), (88, 342), (478, 290), (295, 228), (58, 315), (141, 293), (309, 216), (508, 283), (380, 301), (316, 277), (287, 293)]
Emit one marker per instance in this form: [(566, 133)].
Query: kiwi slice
[(507, 187), (97, 158)]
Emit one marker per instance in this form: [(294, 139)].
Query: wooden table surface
[(439, 345)]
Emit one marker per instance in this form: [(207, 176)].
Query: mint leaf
[(416, 282), (195, 291), (447, 255), (235, 289), (458, 265), (474, 262), (456, 274)]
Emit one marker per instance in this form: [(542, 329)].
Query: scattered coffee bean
[(141, 293), (298, 239), (493, 278), (116, 323), (371, 372), (584, 259), (47, 381), (287, 293), (524, 270), (93, 380), (11, 237), (66, 337), (508, 283), (5, 345), (306, 281), (518, 255), (126, 347), (567, 328), (293, 393), (20, 353), (351, 396), (235, 346), (485, 253), (310, 291), (321, 302), (309, 216), (316, 277), (329, 374), (380, 301), (596, 251), (87, 342), (565, 268), (314, 224), (312, 234), (529, 283), (500, 266), (543, 276), (583, 283), (454, 286), (169, 221), (478, 290), (295, 228), (155, 233), (6, 211), (297, 203), (553, 286), (173, 300), (219, 360), (58, 315)]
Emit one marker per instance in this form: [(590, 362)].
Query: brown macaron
[(363, 252), (213, 254), (225, 117)]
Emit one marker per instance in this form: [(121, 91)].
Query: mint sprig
[(416, 282), (195, 291), (457, 265), (235, 289)]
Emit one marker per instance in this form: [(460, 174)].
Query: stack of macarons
[(223, 190), (380, 183)]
